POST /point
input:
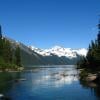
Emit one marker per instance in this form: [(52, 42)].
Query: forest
[(9, 56), (92, 59)]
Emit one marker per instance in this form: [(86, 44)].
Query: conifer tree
[(0, 42), (93, 56), (7, 51), (0, 32), (17, 57), (9, 56)]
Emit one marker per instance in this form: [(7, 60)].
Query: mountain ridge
[(60, 51), (57, 55)]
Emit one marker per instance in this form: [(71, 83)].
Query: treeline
[(92, 60), (9, 56)]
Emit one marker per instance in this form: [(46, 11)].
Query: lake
[(50, 83)]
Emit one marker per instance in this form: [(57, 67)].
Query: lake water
[(51, 83)]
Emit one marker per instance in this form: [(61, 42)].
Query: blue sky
[(46, 23)]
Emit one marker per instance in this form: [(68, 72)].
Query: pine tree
[(98, 37), (0, 32), (7, 51), (9, 56), (17, 57), (1, 46), (93, 56), (1, 43)]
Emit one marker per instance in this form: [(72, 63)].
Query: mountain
[(28, 56), (57, 55), (60, 55), (60, 51)]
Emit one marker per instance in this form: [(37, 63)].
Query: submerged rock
[(18, 80), (95, 78), (91, 77)]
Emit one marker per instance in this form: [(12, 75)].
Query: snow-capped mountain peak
[(56, 47), (81, 51), (60, 51)]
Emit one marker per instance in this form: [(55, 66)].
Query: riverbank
[(47, 84), (12, 69), (92, 78)]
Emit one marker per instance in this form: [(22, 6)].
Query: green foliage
[(92, 60), (9, 57), (83, 74), (17, 56), (7, 51)]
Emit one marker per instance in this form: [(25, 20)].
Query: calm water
[(60, 83)]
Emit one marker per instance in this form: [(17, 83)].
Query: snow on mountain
[(40, 51), (81, 51), (60, 51)]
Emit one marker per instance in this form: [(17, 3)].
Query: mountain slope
[(60, 55), (55, 56), (28, 56)]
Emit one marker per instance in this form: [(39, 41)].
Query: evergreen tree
[(7, 51), (17, 57), (93, 56), (98, 37), (1, 43), (0, 32), (9, 56), (1, 46)]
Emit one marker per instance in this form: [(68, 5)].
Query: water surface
[(52, 83)]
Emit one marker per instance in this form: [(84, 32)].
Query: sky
[(46, 23)]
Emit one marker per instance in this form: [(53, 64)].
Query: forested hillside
[(14, 54), (92, 60), (10, 57)]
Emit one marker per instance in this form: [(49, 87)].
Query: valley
[(55, 56)]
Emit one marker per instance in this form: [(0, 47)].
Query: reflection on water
[(6, 80), (57, 77), (94, 87), (57, 83)]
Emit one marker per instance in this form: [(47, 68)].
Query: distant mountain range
[(60, 51), (57, 55)]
